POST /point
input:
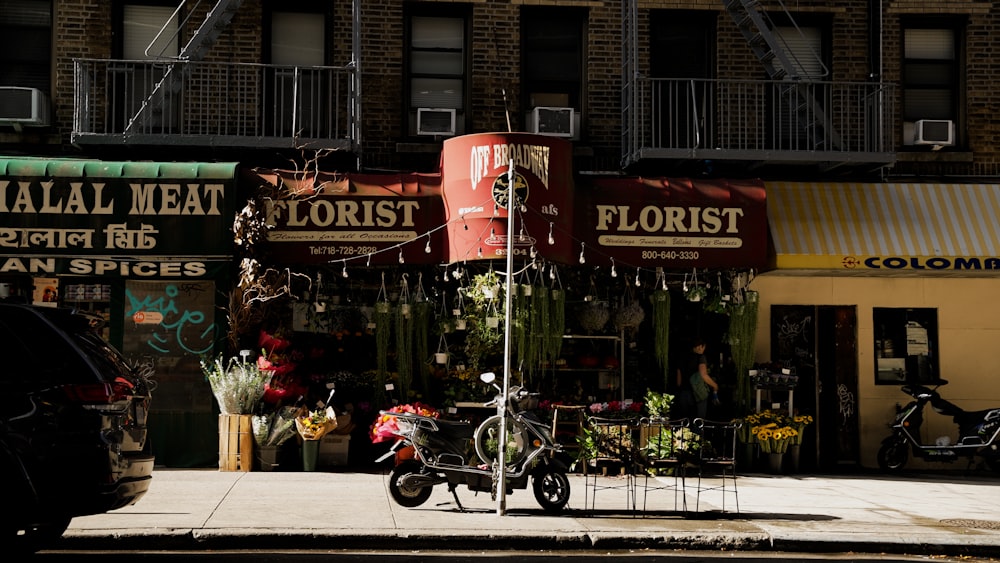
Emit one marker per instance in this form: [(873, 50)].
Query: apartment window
[(26, 43), (800, 121), (298, 93), (932, 82), (148, 40), (682, 98), (552, 62), (437, 68), (906, 345)]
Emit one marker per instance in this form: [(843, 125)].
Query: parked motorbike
[(459, 453), (978, 432)]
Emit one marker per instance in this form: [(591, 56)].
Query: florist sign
[(661, 222), (369, 218)]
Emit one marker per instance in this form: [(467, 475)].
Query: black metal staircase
[(216, 21), (798, 95)]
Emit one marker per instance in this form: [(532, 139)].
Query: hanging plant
[(521, 327), (660, 300), (383, 332), (629, 316), (420, 321), (540, 314), (742, 338), (593, 316), (483, 335), (557, 324)]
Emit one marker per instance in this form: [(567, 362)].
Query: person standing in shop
[(696, 386)]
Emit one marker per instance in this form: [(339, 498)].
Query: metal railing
[(760, 120), (214, 104)]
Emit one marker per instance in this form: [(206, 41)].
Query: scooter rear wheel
[(403, 495), (551, 490), (892, 456)]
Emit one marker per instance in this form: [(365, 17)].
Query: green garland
[(661, 326)]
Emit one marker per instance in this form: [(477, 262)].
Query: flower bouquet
[(386, 426), (313, 425), (238, 386), (617, 410), (275, 428)]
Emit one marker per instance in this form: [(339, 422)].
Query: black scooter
[(978, 432), (458, 453)]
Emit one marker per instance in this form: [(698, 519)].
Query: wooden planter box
[(235, 442)]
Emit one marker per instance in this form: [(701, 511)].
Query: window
[(437, 71), (683, 100), (931, 78), (552, 57), (298, 98), (906, 343), (141, 39), (26, 43), (801, 122)]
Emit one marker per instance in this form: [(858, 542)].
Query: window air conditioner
[(435, 121), (934, 132), (557, 122), (23, 106)]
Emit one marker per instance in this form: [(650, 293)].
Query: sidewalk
[(931, 514)]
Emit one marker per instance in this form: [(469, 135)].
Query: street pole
[(502, 447)]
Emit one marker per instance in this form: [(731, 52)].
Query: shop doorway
[(821, 342)]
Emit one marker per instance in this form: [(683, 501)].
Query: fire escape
[(170, 85), (183, 99), (794, 117)]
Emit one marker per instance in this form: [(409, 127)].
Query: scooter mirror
[(488, 377)]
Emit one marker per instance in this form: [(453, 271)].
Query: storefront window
[(906, 343)]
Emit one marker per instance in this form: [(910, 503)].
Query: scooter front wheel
[(551, 490), (893, 454), (402, 494), (487, 441)]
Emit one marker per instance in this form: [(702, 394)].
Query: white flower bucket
[(441, 357), (460, 324), (492, 322), (404, 309)]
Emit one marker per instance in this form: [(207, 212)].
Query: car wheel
[(38, 537)]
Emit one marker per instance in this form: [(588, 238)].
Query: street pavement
[(947, 513)]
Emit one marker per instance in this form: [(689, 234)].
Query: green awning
[(84, 168)]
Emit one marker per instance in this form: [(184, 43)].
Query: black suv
[(72, 424)]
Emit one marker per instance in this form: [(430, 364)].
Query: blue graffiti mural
[(186, 330)]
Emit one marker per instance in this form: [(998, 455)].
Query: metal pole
[(502, 447)]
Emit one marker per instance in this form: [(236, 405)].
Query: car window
[(43, 354), (108, 360)]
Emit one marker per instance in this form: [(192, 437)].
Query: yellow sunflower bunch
[(799, 423), (773, 438)]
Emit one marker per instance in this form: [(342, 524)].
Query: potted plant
[(238, 386)]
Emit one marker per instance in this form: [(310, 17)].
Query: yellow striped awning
[(873, 227)]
